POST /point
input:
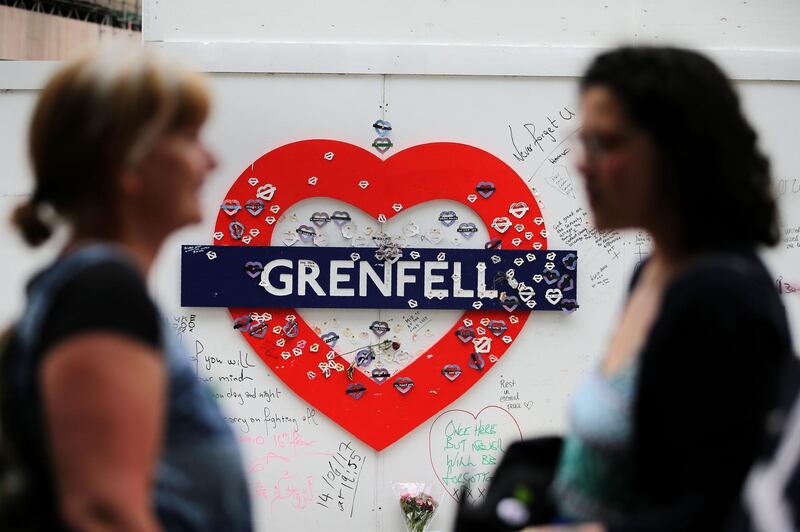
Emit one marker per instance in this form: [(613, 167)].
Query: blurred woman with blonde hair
[(108, 424)]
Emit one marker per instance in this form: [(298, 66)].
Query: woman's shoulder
[(721, 272), (107, 295), (729, 275), (729, 290)]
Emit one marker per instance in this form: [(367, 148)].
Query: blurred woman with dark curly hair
[(662, 432)]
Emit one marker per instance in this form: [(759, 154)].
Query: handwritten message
[(182, 323), (561, 180), (277, 436), (535, 137), (465, 448), (341, 479), (786, 287), (576, 227), (509, 395), (788, 186), (642, 243), (791, 237), (286, 488)]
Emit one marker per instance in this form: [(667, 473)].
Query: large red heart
[(334, 169)]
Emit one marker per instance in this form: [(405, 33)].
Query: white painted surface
[(255, 113), (732, 24), (753, 24), (753, 39), (578, 22)]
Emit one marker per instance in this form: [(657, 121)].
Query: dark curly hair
[(712, 172)]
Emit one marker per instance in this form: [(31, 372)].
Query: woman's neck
[(141, 249)]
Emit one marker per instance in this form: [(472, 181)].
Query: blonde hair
[(98, 115)]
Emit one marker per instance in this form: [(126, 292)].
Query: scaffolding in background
[(126, 14)]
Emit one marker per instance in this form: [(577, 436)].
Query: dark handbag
[(22, 503), (518, 492)]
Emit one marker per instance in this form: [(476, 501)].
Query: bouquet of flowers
[(417, 504)]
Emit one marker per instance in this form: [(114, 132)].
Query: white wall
[(257, 110), (761, 24)]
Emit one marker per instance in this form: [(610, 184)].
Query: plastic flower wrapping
[(417, 504)]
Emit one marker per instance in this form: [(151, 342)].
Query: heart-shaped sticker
[(501, 224), (340, 217), (467, 229), (553, 295), (231, 207), (266, 192), (448, 218), (451, 372), (403, 385), (518, 209), (382, 128), (254, 206), (356, 390), (434, 236), (465, 334), (253, 269), (379, 328), (485, 189), (380, 374), (320, 218)]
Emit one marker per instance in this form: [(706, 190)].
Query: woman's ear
[(130, 182)]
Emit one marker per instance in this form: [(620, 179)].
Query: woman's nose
[(211, 159)]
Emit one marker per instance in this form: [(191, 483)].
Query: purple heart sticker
[(320, 218), (510, 303), (569, 305), (465, 334), (379, 328), (253, 268), (236, 229), (364, 357), (569, 261), (467, 229), (291, 329), (330, 338), (476, 361), (355, 390), (494, 243), (497, 327), (448, 218), (340, 217), (566, 283), (551, 276), (485, 189), (306, 232), (380, 374), (254, 206), (242, 323)]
